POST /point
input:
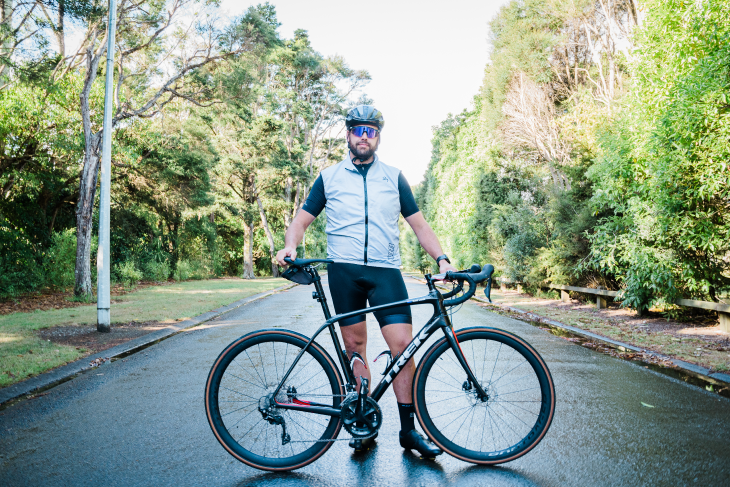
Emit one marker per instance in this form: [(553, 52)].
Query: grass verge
[(696, 343), (24, 354)]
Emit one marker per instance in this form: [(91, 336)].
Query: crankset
[(361, 415)]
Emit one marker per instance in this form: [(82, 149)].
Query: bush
[(157, 270), (183, 271), (19, 269), (60, 260), (127, 273)]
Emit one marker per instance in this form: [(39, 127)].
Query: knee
[(354, 343), (400, 344)]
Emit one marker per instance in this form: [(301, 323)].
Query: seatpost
[(319, 294)]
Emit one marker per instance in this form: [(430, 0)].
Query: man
[(364, 198)]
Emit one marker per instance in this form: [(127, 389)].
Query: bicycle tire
[(246, 373), (521, 393)]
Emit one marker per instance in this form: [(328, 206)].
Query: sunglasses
[(371, 132)]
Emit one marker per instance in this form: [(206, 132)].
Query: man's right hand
[(286, 252)]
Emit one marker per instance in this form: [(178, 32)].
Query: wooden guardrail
[(723, 310)]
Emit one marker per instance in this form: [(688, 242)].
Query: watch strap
[(442, 257)]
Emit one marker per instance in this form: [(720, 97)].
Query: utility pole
[(103, 264)]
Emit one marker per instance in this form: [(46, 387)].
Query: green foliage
[(127, 273), (20, 271), (157, 271), (60, 259), (662, 177), (183, 271)]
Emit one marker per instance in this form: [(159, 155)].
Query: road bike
[(276, 400)]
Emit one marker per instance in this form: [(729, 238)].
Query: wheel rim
[(513, 418), (245, 416)]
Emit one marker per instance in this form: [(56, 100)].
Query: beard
[(361, 153)]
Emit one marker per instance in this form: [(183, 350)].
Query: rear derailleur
[(269, 411)]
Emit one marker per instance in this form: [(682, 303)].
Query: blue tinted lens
[(358, 131)]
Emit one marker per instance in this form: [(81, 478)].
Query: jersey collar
[(350, 166)]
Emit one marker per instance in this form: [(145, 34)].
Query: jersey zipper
[(365, 185)]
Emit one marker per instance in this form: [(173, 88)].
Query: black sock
[(407, 420)]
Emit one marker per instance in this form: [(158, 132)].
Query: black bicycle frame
[(440, 319)]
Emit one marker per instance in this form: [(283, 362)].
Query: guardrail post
[(724, 321), (564, 296), (601, 302)]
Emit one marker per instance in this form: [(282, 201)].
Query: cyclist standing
[(364, 198)]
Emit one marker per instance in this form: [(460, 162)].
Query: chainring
[(368, 422)]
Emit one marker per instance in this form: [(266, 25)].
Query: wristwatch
[(442, 257)]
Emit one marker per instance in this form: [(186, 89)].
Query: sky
[(426, 59)]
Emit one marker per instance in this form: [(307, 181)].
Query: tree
[(146, 52)]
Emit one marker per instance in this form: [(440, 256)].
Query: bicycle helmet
[(364, 114)]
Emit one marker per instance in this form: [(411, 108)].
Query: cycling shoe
[(413, 440), (359, 444)]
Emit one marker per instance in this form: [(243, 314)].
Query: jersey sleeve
[(316, 199), (408, 204)]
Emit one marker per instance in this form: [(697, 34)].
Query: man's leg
[(356, 340), (398, 336)]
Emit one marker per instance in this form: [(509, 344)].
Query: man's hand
[(444, 266), (286, 252)]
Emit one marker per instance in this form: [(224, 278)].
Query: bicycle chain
[(331, 440)]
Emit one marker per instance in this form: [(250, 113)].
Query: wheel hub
[(472, 393)]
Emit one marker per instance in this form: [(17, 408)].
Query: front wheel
[(244, 414), (499, 428)]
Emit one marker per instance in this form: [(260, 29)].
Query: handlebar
[(472, 278), (303, 262)]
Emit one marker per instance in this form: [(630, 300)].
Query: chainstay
[(332, 440)]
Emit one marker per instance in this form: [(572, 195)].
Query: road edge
[(64, 373)]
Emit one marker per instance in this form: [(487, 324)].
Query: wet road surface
[(141, 420)]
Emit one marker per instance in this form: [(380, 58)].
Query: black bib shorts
[(353, 286)]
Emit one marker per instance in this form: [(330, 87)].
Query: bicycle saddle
[(303, 262)]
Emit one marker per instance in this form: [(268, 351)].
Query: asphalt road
[(141, 420)]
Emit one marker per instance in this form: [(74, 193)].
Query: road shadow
[(278, 479), (492, 476)]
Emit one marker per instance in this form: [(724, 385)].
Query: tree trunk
[(84, 215), (89, 176), (287, 198), (6, 17), (59, 28), (248, 251), (272, 246)]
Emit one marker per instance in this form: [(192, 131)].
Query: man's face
[(362, 147)]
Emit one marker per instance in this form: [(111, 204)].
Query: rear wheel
[(502, 427), (242, 411)]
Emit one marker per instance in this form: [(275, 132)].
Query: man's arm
[(428, 240), (294, 235)]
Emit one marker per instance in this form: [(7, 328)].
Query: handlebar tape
[(472, 279)]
